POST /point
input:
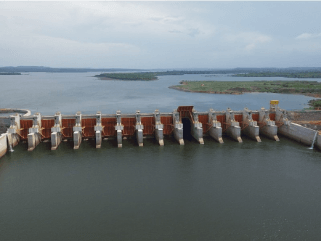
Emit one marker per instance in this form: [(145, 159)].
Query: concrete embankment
[(298, 133), (3, 144)]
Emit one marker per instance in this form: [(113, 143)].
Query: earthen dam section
[(182, 122)]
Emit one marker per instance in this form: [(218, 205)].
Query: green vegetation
[(128, 76), (316, 103), (238, 72), (10, 73), (312, 88), (282, 74), (146, 75)]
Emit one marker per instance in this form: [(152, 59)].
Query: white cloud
[(247, 40), (250, 46), (308, 36)]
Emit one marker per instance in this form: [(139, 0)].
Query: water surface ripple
[(231, 191)]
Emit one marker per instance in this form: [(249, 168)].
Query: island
[(2, 73), (309, 88), (145, 76)]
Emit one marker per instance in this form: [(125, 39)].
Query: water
[(7, 114), (48, 93), (231, 191), (10, 148), (314, 138)]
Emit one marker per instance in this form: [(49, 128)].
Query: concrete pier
[(77, 131), (159, 128), (35, 132), (56, 134), (13, 133), (119, 129), (197, 128), (215, 130), (233, 130), (3, 144), (249, 126), (178, 128), (267, 126), (98, 130), (139, 129)]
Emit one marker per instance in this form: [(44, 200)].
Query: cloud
[(250, 46), (246, 40), (193, 32), (262, 39), (174, 31), (166, 19), (308, 36), (149, 34)]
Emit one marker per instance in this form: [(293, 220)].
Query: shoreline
[(315, 95)]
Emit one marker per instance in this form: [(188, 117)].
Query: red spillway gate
[(204, 120), (272, 116), (255, 117), (185, 111), (67, 127), (89, 124), (167, 121), (129, 126), (109, 126), (149, 125), (46, 128), (25, 125)]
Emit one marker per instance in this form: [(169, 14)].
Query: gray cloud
[(160, 34)]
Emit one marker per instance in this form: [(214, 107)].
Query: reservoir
[(231, 191)]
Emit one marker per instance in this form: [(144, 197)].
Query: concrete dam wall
[(36, 128)]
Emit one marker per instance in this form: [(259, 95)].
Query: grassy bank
[(316, 103), (311, 88), (282, 74)]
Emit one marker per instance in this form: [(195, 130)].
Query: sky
[(152, 35)]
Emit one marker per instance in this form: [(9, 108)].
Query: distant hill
[(20, 69), (11, 69)]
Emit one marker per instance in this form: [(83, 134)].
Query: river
[(231, 191)]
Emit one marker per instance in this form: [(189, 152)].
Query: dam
[(183, 121)]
